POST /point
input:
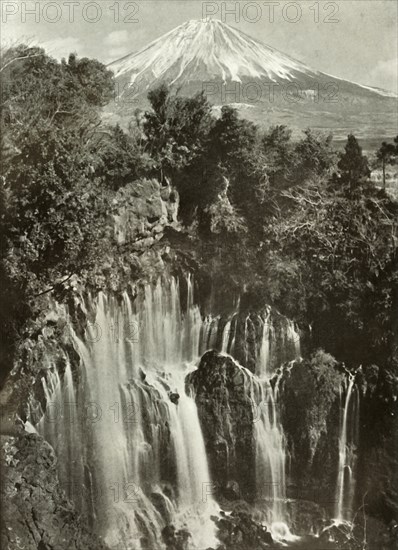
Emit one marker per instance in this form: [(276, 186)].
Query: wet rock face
[(37, 514), (238, 531), (306, 517), (226, 418), (175, 540)]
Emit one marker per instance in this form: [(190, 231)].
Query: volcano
[(266, 85)]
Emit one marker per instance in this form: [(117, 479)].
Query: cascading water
[(261, 341), (289, 344), (270, 452), (139, 460), (349, 426), (209, 333), (264, 356), (270, 440), (226, 335)]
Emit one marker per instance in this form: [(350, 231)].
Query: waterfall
[(269, 437), (284, 337), (270, 452), (229, 335), (349, 426), (269, 440), (266, 341), (209, 333), (127, 436), (263, 366), (226, 337), (130, 446)]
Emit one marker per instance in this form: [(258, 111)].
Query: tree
[(353, 166), (117, 157), (387, 154), (232, 137), (314, 156), (346, 248), (176, 129), (234, 146), (36, 88), (279, 155), (52, 205)]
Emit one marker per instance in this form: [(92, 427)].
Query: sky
[(352, 39)]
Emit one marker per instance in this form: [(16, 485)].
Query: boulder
[(174, 397), (239, 531), (175, 540)]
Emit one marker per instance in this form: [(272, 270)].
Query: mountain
[(267, 86)]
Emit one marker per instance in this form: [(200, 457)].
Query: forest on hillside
[(294, 223)]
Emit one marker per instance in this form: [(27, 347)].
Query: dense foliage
[(51, 208), (293, 224)]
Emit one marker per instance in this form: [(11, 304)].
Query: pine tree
[(353, 166)]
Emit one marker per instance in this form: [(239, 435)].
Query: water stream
[(345, 489)]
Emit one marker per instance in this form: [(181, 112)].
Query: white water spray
[(139, 456)]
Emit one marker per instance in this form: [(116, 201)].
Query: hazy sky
[(352, 39)]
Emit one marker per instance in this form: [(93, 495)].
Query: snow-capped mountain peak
[(265, 85), (210, 47)]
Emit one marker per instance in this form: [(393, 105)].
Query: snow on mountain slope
[(223, 50), (198, 50), (266, 86)]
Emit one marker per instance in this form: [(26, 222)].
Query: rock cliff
[(36, 514)]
